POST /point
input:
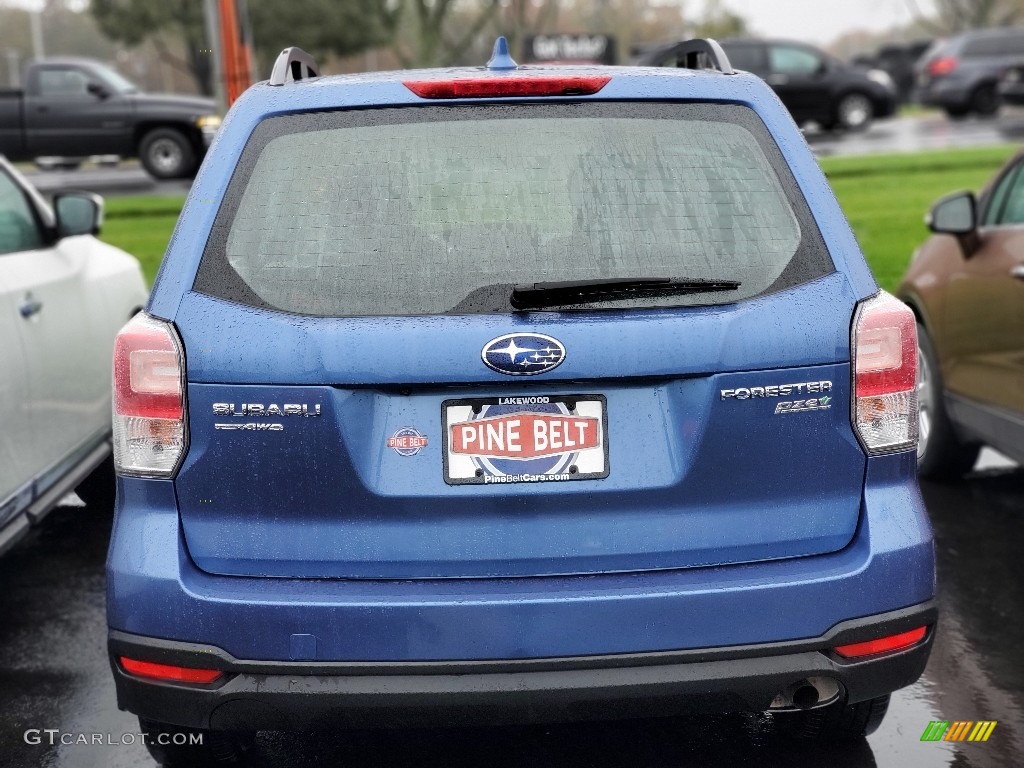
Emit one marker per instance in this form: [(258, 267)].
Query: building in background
[(570, 49)]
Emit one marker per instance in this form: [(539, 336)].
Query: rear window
[(1009, 44), (443, 210)]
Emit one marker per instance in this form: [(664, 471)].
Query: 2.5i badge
[(536, 439)]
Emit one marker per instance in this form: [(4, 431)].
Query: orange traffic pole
[(235, 55)]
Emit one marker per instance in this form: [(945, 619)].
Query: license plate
[(525, 439)]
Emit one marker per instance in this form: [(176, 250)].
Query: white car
[(63, 297)]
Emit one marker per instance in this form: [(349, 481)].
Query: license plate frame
[(581, 418)]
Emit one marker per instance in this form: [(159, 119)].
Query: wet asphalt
[(54, 674), (929, 131)]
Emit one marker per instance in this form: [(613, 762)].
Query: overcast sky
[(822, 21)]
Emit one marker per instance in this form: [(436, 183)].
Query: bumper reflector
[(882, 644), (167, 672)]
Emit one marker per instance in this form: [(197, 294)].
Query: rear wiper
[(532, 296)]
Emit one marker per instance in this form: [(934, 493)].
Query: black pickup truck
[(79, 107)]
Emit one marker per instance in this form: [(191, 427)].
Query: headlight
[(208, 122), (881, 77)]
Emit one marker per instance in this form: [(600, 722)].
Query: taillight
[(484, 87), (885, 375), (149, 399), (169, 672), (942, 66)]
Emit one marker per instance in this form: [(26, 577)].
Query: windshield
[(422, 211), (116, 81)]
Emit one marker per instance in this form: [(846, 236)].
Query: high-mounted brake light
[(882, 644), (149, 399), (942, 66), (495, 86), (169, 672), (885, 375)]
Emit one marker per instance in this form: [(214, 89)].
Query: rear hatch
[(383, 381)]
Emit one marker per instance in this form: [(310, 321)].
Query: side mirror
[(78, 213), (954, 215), (97, 90)]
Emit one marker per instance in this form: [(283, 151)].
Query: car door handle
[(31, 306), (1018, 272)]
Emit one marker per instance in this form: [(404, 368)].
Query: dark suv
[(898, 61), (813, 85), (961, 74)]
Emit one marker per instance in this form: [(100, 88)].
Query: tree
[(321, 27), (719, 22), (341, 27), (521, 18), (958, 15), (434, 33), (65, 31), (135, 21)]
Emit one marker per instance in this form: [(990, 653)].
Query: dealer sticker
[(408, 441), (526, 439)]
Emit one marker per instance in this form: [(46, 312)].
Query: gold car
[(966, 286)]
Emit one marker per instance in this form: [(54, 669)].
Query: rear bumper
[(884, 105), (155, 590), (946, 92), (208, 136), (256, 695), (1012, 93)]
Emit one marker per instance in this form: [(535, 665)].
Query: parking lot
[(928, 131), (921, 132), (55, 673)]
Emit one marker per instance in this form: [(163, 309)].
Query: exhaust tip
[(808, 693), (805, 696)]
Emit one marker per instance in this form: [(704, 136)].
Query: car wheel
[(985, 100), (854, 112), (940, 454), (166, 153), (956, 113), (836, 722), (98, 489), (176, 746)]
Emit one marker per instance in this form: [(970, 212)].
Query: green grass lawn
[(918, 110), (142, 226), (885, 198)]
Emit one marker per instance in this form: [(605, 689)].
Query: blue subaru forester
[(505, 394)]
